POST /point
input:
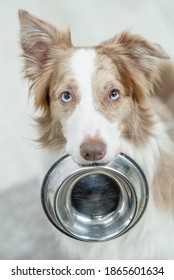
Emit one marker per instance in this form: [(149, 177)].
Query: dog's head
[(94, 99)]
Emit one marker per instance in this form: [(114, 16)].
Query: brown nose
[(93, 149)]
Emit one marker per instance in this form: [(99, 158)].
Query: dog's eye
[(114, 94), (66, 96)]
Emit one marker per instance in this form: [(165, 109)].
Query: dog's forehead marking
[(82, 64)]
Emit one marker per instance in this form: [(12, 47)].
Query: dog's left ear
[(139, 46), (135, 45), (144, 54), (141, 59)]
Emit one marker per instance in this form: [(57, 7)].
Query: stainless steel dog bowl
[(94, 203)]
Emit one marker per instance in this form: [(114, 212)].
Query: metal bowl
[(94, 203)]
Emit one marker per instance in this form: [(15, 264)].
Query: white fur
[(89, 122)]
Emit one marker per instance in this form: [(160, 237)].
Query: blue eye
[(66, 96), (114, 94)]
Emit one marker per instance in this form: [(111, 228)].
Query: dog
[(96, 102)]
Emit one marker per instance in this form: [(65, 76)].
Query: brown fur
[(43, 46), (165, 87), (41, 43), (134, 97), (163, 187)]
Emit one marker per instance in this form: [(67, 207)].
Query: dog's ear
[(140, 46), (39, 39), (144, 55), (135, 45), (140, 59)]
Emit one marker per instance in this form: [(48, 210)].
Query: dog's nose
[(93, 149)]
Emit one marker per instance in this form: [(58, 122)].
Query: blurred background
[(90, 22)]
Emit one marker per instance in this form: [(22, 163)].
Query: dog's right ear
[(37, 37)]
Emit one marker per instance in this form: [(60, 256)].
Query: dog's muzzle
[(94, 203)]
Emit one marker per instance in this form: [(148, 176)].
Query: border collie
[(95, 102)]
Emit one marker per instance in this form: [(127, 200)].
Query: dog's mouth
[(102, 163), (92, 164)]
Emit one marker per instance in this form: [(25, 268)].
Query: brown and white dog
[(95, 102)]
